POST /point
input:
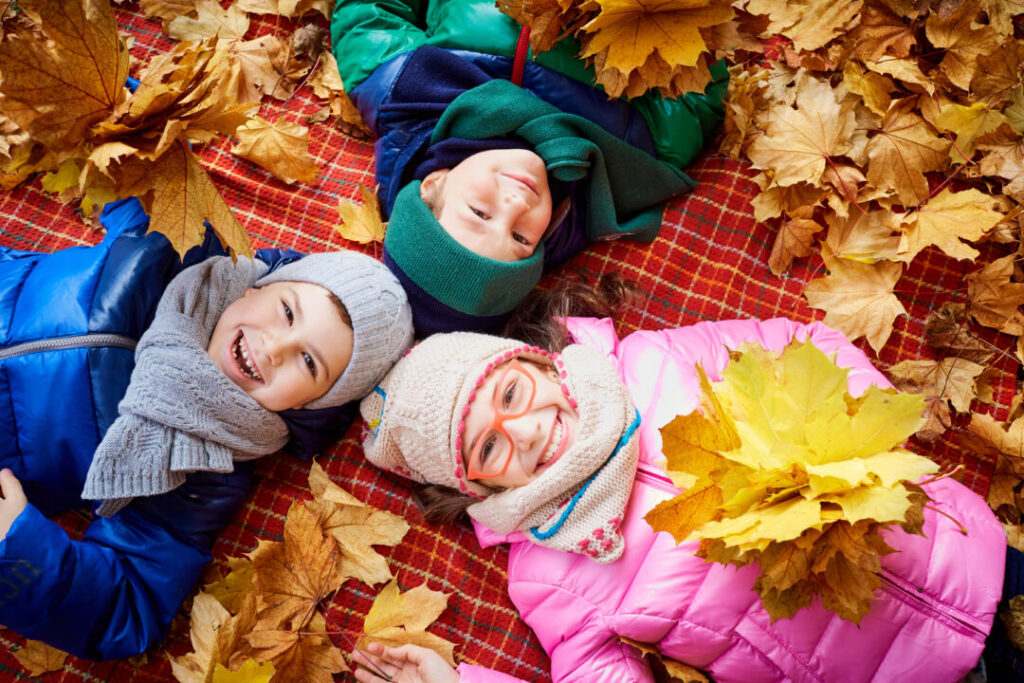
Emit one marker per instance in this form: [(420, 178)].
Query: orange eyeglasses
[(492, 453)]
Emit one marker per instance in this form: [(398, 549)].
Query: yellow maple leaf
[(398, 618), (797, 143), (632, 30), (57, 85), (179, 197), (963, 40), (251, 671), (281, 147), (946, 221), (214, 634), (815, 475), (858, 298), (968, 122), (38, 658), (361, 222)]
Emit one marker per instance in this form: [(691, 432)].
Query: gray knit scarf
[(181, 413)]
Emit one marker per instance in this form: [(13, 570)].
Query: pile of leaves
[(263, 619), (65, 110), (786, 470)]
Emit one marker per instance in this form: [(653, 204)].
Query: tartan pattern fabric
[(709, 263)]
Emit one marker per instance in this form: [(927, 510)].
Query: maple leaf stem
[(950, 517), (309, 73), (941, 475), (842, 185)]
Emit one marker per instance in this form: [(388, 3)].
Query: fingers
[(371, 664), (10, 487)]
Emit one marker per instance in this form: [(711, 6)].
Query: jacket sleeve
[(368, 33), (113, 593)]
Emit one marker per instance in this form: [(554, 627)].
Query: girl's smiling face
[(519, 424), (284, 344)]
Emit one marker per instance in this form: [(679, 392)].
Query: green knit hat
[(447, 272)]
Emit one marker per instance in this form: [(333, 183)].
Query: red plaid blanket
[(709, 263)]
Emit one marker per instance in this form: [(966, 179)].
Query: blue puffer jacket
[(68, 323)]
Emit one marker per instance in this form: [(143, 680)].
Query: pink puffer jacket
[(928, 622)]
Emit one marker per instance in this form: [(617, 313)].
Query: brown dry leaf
[(293, 576), (903, 150), (399, 618), (211, 21), (905, 70), (38, 658), (281, 147), (547, 19), (1013, 620), (998, 73), (950, 379), (995, 298), (361, 222), (863, 237), (809, 25), (179, 196), (963, 39), (287, 8), (946, 330), (775, 200), (356, 527), (326, 84), (299, 657), (946, 221), (795, 239), (882, 32), (167, 9), (56, 89), (1005, 158), (858, 298), (799, 142), (677, 671), (268, 67)]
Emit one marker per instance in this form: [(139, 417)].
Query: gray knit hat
[(377, 305)]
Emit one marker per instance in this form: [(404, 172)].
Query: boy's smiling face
[(284, 344), (495, 203)]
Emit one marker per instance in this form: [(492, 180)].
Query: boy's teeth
[(244, 362)]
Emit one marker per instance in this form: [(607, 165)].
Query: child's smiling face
[(284, 344), (519, 424), (495, 203)]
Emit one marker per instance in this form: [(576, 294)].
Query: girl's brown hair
[(538, 321)]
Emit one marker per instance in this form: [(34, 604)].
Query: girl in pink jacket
[(555, 454)]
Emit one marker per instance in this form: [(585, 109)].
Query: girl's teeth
[(555, 441)]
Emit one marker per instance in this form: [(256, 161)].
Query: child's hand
[(13, 501), (405, 664)]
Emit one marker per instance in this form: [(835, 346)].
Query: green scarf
[(625, 186)]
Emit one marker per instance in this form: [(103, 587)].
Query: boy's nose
[(274, 346)]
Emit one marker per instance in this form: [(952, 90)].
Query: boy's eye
[(480, 214), (519, 238), (310, 363), (288, 312)]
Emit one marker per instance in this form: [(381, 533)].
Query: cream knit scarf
[(577, 505), (181, 413)]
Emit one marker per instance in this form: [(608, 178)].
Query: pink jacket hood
[(928, 622)]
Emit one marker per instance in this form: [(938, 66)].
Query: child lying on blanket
[(555, 452), (488, 184), (235, 359)]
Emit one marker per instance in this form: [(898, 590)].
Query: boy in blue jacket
[(488, 184), (152, 397)]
